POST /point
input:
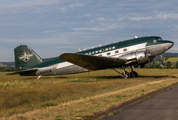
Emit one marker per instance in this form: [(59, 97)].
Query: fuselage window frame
[(117, 51), (108, 53), (125, 49)]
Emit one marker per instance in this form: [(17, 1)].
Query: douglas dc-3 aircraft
[(134, 52)]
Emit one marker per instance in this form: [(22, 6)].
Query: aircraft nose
[(169, 45)]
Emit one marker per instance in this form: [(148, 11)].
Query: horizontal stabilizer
[(25, 72), (92, 62)]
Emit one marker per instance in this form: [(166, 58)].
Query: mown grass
[(22, 94)]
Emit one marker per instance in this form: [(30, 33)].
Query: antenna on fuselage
[(135, 36)]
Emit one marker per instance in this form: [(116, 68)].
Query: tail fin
[(25, 57)]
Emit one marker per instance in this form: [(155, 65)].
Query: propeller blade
[(153, 62), (161, 57), (147, 54), (149, 61)]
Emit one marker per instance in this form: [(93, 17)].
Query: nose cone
[(169, 44)]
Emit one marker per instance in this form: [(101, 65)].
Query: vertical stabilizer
[(25, 57)]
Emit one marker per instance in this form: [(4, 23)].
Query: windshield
[(157, 40)]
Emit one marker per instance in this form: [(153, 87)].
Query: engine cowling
[(141, 57), (138, 56)]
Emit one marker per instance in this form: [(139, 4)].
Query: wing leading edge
[(92, 62)]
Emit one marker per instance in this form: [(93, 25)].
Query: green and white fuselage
[(133, 52)]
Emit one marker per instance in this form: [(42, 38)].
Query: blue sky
[(53, 27)]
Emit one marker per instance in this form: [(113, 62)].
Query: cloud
[(88, 15), (75, 23), (140, 18), (77, 5), (50, 31), (167, 16), (159, 16), (100, 19), (175, 48), (92, 29)]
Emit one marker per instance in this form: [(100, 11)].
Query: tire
[(135, 74), (127, 75)]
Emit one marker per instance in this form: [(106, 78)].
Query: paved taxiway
[(163, 106)]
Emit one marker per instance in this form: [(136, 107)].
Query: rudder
[(25, 57)]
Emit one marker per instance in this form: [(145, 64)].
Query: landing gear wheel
[(126, 75), (134, 74)]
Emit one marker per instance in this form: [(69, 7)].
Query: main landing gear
[(126, 74)]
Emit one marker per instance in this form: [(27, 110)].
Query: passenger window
[(96, 51), (110, 48), (93, 52), (113, 47), (117, 51), (108, 53), (89, 53), (100, 51), (106, 49)]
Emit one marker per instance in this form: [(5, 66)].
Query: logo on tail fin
[(25, 56)]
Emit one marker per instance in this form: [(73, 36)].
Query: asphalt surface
[(163, 106)]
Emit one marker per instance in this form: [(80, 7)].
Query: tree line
[(7, 68)]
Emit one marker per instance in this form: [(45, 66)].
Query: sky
[(53, 27)]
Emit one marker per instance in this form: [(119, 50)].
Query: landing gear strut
[(133, 73), (126, 74)]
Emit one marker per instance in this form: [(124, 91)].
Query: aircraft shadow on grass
[(89, 78), (140, 76)]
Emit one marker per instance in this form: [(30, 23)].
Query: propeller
[(149, 61), (161, 57), (148, 54), (153, 62)]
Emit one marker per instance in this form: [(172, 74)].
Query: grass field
[(75, 96)]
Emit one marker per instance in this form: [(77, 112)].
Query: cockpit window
[(157, 40), (154, 41)]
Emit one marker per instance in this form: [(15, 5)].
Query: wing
[(92, 62)]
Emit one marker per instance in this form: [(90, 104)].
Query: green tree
[(177, 64), (168, 64)]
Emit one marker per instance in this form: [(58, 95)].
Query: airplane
[(133, 52)]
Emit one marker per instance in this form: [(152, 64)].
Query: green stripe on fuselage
[(122, 44)]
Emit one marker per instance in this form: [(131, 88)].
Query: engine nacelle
[(138, 56), (141, 57)]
